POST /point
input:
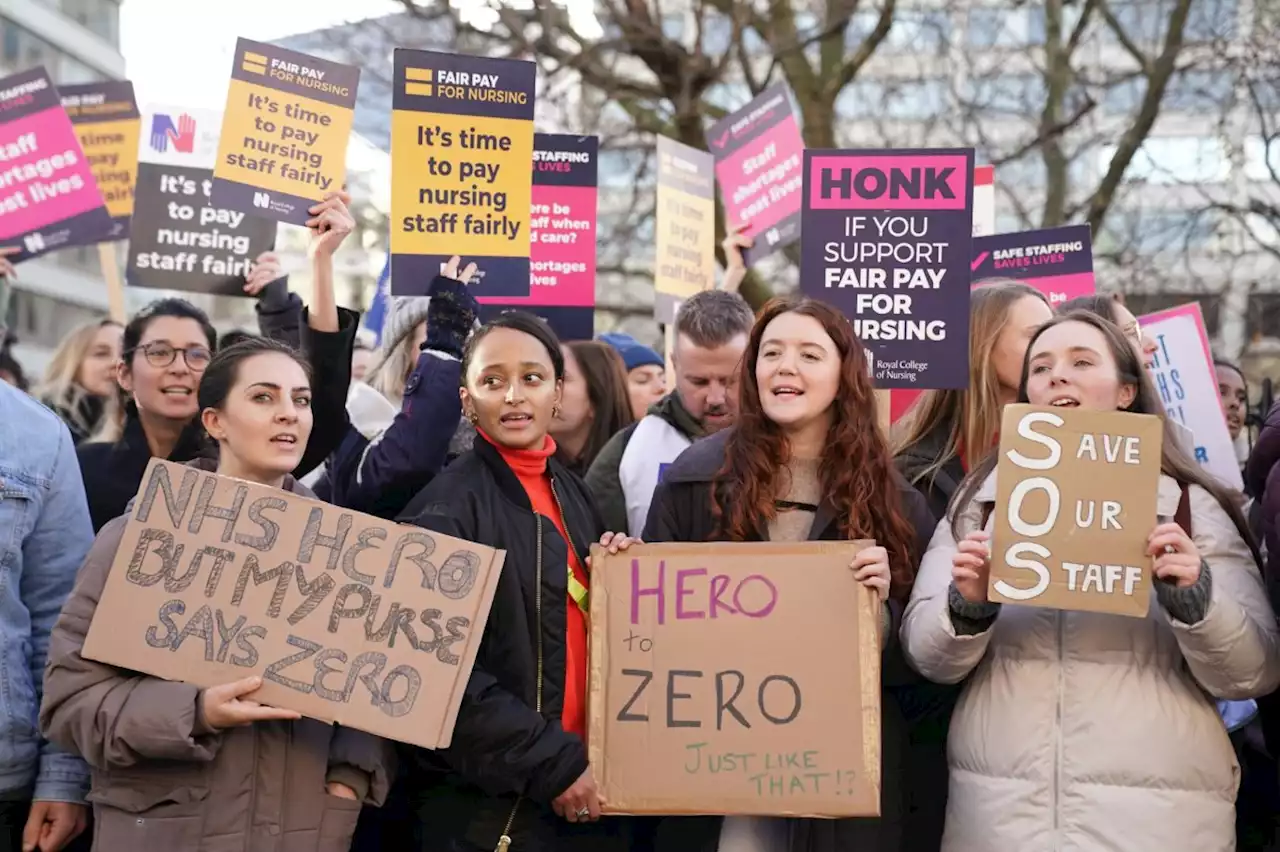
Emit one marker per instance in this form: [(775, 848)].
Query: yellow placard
[(111, 148)]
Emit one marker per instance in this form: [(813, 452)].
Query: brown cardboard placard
[(1075, 504), (348, 618), (750, 684)]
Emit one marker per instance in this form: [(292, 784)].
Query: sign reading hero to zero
[(1075, 504), (347, 618)]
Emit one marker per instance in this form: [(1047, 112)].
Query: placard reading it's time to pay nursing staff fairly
[(699, 702), (285, 131), (685, 227), (1075, 503), (108, 123), (885, 238), (48, 197), (461, 182)]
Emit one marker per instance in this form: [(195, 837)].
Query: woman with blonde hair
[(80, 381)]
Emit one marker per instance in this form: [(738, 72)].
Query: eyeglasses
[(160, 355)]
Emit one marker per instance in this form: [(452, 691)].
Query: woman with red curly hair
[(805, 462)]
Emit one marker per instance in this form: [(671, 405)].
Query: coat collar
[(190, 444)]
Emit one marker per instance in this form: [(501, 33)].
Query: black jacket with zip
[(503, 747)]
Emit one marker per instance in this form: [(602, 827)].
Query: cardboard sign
[(1075, 504), (701, 702), (984, 200), (685, 252), (1056, 261), (886, 239), (1182, 370), (461, 144), (48, 197), (563, 230), (106, 118), (178, 239), (284, 132), (758, 151), (348, 618)]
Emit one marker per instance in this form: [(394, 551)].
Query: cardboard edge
[(497, 560), (869, 669), (598, 659)]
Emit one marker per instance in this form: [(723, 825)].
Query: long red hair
[(857, 472)]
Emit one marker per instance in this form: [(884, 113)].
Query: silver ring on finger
[(583, 812)]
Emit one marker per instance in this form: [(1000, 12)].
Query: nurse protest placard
[(1183, 372), (48, 197), (179, 240), (758, 152), (1075, 505), (284, 133), (347, 618), (984, 200), (886, 239), (1056, 261), (461, 145), (701, 700), (563, 230), (685, 251), (107, 121)]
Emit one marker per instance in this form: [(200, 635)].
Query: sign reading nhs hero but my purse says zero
[(347, 618), (461, 182), (284, 132), (1075, 503), (885, 238)]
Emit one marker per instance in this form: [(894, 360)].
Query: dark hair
[(857, 473), (1174, 459), (534, 326), (10, 365), (178, 308), (1227, 365), (605, 373), (711, 318), (236, 335), (223, 371), (1099, 304)]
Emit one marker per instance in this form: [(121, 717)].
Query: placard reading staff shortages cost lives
[(461, 182), (886, 238)]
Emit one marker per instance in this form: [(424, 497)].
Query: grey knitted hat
[(405, 314)]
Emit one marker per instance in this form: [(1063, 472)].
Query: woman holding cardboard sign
[(1085, 730), (179, 767), (806, 461), (516, 774)]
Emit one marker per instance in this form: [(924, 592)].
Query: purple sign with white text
[(1056, 261), (886, 238), (758, 153)]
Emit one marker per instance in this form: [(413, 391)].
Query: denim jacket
[(45, 535)]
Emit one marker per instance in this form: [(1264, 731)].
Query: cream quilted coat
[(1081, 732)]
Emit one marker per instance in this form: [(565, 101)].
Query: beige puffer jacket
[(1082, 732)]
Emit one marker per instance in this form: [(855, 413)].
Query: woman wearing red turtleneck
[(517, 770)]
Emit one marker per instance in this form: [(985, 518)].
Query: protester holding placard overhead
[(168, 346), (516, 773), (805, 461), (80, 381), (179, 767), (1087, 729)]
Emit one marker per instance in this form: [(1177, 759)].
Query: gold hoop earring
[(472, 418), (555, 412)]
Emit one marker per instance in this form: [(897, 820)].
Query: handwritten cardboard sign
[(1075, 504), (717, 686), (347, 618), (885, 238), (284, 132)]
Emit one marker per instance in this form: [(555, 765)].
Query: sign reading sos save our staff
[(758, 153), (107, 120), (1075, 503), (284, 132), (48, 197), (461, 145), (563, 230), (886, 239)]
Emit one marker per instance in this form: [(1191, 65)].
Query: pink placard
[(44, 176), (1191, 309), (761, 182), (879, 182), (562, 260)]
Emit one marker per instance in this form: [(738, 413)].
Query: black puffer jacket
[(502, 746), (681, 511)]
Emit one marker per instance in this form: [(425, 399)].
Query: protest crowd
[(1037, 607)]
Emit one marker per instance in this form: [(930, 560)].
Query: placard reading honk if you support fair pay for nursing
[(1075, 504), (461, 181), (284, 132)]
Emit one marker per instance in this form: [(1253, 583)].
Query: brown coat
[(162, 779)]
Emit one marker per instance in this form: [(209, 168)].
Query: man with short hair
[(711, 331)]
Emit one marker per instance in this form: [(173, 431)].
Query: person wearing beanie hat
[(406, 419), (646, 372)]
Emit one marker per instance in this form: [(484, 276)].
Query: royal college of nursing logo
[(182, 135), (262, 199)]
